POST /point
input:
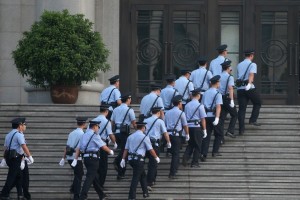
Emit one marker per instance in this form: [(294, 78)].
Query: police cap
[(196, 91), (92, 123), (155, 87), (177, 98), (215, 79), (202, 59), (19, 120), (222, 48), (226, 63), (185, 71), (114, 78), (249, 51), (170, 77), (126, 96), (81, 119), (104, 106), (155, 109)]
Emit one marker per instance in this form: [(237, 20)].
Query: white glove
[(216, 121), (22, 166), (109, 140), (115, 145), (231, 103), (31, 161), (74, 163), (28, 161), (169, 145), (3, 163), (204, 133), (187, 137), (123, 163), (111, 152), (157, 159), (248, 87), (62, 162)]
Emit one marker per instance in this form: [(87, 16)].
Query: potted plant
[(60, 52)]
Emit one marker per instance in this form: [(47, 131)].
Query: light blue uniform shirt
[(73, 140), (208, 98), (197, 77), (190, 109), (17, 141), (148, 101), (158, 128), (171, 118), (180, 85), (223, 82), (115, 95), (104, 134), (134, 140), (167, 94), (215, 65), (119, 114), (95, 144), (242, 67)]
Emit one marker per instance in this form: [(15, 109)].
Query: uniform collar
[(200, 67), (124, 105), (183, 77), (224, 72), (175, 108), (247, 59), (169, 86), (220, 56)]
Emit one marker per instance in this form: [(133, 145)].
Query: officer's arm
[(203, 123), (218, 110), (64, 153), (77, 152), (166, 135), (112, 138), (186, 129), (152, 152), (4, 151), (125, 153), (26, 150), (230, 89), (251, 78), (133, 123), (105, 148), (162, 115)]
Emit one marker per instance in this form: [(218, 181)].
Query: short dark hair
[(14, 126), (195, 94), (155, 111), (202, 62), (248, 54), (225, 67), (140, 126), (92, 125), (102, 110), (80, 123), (176, 103)]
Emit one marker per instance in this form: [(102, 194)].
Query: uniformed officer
[(105, 133), (123, 116), (15, 149), (136, 146), (69, 153), (184, 86), (245, 71), (215, 65), (201, 76), (149, 101), (175, 120), (212, 101), (111, 95), (169, 92), (155, 129), (227, 91), (195, 114), (90, 144)]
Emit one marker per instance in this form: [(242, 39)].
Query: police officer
[(201, 76), (169, 92), (155, 129), (105, 133), (151, 100), (175, 120), (227, 91), (69, 153), (123, 116), (247, 91), (212, 101), (111, 95), (195, 114), (15, 149), (184, 86), (136, 146), (90, 144), (215, 65)]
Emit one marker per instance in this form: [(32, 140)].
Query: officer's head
[(177, 101), (186, 72), (81, 121), (126, 98), (156, 89), (156, 111), (141, 126), (104, 109), (249, 53), (226, 65), (94, 125), (19, 123), (202, 61), (170, 79), (222, 50), (196, 94), (215, 81), (115, 80)]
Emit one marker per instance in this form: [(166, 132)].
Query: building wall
[(17, 16)]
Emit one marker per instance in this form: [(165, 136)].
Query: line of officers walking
[(189, 109)]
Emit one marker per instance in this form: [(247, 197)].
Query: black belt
[(135, 156)]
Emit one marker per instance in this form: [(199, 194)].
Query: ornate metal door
[(278, 56), (166, 39)]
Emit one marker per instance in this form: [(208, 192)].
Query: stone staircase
[(262, 164)]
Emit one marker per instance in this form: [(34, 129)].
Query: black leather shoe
[(230, 134), (195, 165), (203, 158), (184, 161), (121, 177), (172, 177), (241, 132), (145, 195), (222, 141), (216, 154), (254, 123)]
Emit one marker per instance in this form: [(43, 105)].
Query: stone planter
[(62, 94)]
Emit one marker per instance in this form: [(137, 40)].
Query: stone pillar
[(89, 92)]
